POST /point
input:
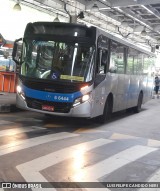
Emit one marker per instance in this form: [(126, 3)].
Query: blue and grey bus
[(73, 70)]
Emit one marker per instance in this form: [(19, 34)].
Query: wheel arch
[(111, 100)]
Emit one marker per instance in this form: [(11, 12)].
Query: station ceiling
[(125, 18)]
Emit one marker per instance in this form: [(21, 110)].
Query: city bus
[(68, 69)]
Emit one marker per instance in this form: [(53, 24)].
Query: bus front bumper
[(82, 110)]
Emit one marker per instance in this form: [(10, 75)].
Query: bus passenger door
[(100, 88)]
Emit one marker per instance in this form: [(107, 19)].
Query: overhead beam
[(123, 3), (152, 11), (137, 18)]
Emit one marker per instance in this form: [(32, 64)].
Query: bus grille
[(61, 107)]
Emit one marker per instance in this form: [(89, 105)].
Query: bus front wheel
[(107, 112), (138, 108)]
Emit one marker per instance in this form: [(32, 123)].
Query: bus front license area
[(47, 107)]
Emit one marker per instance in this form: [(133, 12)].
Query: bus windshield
[(54, 60)]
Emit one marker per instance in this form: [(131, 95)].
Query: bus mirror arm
[(16, 51)]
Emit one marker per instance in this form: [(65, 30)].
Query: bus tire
[(107, 112), (138, 108)]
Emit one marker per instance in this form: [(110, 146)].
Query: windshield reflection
[(57, 60)]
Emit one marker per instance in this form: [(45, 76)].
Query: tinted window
[(117, 63)]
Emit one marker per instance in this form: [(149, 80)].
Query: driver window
[(45, 57), (103, 57)]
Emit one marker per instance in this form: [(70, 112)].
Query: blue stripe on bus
[(49, 96)]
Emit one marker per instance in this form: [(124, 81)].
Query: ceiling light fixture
[(56, 19), (95, 8), (17, 6), (158, 41), (124, 23), (122, 33), (143, 32)]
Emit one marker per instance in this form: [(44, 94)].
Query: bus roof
[(53, 29)]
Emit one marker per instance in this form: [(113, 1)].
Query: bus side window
[(117, 61)]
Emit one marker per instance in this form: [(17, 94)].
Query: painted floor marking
[(30, 170), (15, 131), (119, 136), (155, 178), (94, 172), (3, 122), (114, 162), (149, 142), (23, 144)]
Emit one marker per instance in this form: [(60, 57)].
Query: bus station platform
[(7, 102)]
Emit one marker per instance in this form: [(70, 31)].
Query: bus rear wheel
[(107, 112), (138, 108)]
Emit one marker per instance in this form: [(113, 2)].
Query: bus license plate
[(47, 107)]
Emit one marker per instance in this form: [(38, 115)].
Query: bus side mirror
[(16, 53)]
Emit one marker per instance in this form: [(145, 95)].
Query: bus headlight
[(85, 98), (80, 100), (20, 92)]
